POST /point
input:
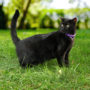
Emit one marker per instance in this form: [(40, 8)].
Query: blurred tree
[(35, 12), (3, 19), (80, 11), (50, 18), (23, 6), (86, 23), (78, 24), (24, 14), (86, 17)]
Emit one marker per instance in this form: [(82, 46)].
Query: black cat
[(39, 48)]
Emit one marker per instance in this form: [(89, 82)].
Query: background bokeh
[(44, 13)]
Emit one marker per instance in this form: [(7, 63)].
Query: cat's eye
[(62, 25), (67, 26)]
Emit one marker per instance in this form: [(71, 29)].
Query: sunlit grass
[(47, 76)]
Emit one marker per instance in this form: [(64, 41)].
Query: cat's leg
[(61, 55), (66, 61), (26, 62), (60, 60), (22, 63)]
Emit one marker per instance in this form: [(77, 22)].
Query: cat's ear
[(62, 19), (75, 19)]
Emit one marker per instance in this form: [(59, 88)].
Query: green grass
[(48, 76)]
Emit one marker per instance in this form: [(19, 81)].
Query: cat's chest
[(72, 39)]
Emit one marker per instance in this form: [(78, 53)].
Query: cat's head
[(68, 25)]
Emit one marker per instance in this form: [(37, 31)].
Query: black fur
[(13, 28), (39, 48)]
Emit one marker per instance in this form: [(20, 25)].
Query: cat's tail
[(13, 27)]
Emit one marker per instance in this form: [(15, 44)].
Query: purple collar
[(70, 35)]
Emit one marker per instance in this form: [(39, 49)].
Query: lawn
[(48, 76)]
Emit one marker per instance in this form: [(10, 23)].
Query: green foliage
[(47, 18), (39, 17), (83, 15), (77, 11), (47, 76), (20, 5)]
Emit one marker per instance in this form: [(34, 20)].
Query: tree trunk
[(86, 23), (24, 15), (78, 24)]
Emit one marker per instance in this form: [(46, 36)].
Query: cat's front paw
[(67, 63), (60, 65)]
